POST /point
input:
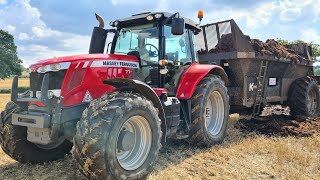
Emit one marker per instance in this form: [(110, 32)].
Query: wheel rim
[(214, 113), (312, 101), (133, 143)]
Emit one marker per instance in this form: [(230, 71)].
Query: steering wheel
[(153, 53)]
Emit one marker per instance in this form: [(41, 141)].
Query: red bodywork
[(81, 77), (190, 79)]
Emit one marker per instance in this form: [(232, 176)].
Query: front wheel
[(210, 111), (15, 144), (118, 137)]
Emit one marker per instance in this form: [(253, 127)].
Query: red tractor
[(115, 109)]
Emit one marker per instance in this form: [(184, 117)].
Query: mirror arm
[(169, 18), (111, 30)]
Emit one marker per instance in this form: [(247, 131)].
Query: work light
[(158, 16), (150, 18)]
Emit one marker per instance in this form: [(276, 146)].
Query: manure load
[(225, 40)]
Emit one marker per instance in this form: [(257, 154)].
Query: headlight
[(158, 16), (150, 18), (54, 67), (115, 23), (111, 23), (42, 69)]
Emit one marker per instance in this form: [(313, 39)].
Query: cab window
[(177, 47)]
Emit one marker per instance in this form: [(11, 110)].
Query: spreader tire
[(15, 144), (110, 133), (210, 112), (304, 97)]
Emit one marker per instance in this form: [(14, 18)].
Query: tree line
[(9, 62)]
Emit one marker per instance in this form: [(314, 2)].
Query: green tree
[(10, 64), (316, 71), (315, 47)]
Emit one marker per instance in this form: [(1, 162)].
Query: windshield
[(143, 39)]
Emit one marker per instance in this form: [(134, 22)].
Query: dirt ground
[(276, 148), (277, 122)]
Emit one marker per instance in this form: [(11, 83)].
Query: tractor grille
[(55, 80)]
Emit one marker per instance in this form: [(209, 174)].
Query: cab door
[(179, 49)]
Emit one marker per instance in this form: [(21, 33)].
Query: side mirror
[(177, 27)]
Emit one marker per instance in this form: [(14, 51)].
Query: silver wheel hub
[(133, 143), (214, 113), (126, 140), (312, 102)]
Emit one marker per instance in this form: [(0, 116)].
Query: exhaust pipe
[(98, 37), (100, 20)]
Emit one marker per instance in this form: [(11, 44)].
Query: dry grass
[(241, 156), (4, 98), (6, 84)]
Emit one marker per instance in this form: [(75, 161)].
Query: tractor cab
[(164, 44)]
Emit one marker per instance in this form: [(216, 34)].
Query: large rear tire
[(304, 97), (118, 137), (15, 144), (210, 111)]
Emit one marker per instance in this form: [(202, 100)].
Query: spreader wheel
[(304, 97)]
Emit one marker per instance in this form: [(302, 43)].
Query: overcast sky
[(48, 28)]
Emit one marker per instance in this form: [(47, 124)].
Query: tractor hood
[(79, 58)]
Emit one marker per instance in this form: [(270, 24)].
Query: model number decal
[(252, 86), (115, 63)]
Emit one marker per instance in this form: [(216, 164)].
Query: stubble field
[(249, 152), (6, 84)]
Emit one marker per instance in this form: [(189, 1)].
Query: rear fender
[(193, 76), (122, 84)]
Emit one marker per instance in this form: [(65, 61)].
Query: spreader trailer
[(258, 76)]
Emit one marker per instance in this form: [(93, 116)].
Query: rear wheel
[(15, 144), (304, 97), (210, 111), (118, 137)]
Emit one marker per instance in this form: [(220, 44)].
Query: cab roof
[(141, 18)]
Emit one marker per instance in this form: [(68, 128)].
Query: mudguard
[(193, 75), (122, 84)]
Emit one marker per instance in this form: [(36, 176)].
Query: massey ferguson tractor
[(115, 109)]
